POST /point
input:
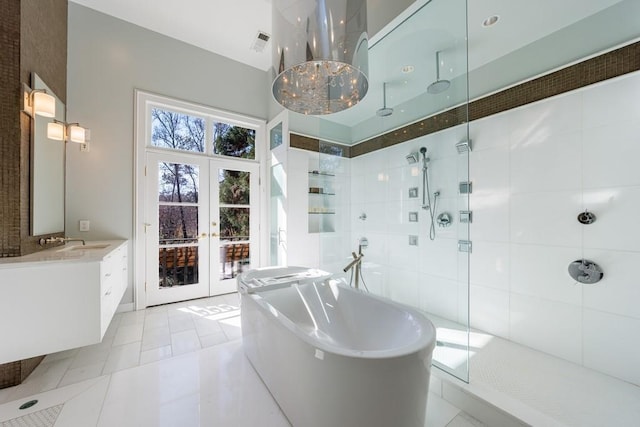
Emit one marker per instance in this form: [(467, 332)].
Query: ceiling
[(229, 28)]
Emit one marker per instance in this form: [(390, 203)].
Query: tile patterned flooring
[(173, 365)]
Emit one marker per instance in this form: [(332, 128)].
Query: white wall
[(432, 275), (535, 169), (108, 59)]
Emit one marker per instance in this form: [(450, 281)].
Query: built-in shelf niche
[(321, 202)]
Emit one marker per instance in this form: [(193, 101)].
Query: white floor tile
[(184, 342), (155, 354), (154, 338), (181, 323), (122, 357), (81, 374), (128, 333), (159, 319), (213, 339), (439, 411)]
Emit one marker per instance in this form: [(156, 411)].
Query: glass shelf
[(322, 194), (322, 213)]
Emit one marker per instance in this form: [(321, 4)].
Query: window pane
[(178, 183), (275, 137), (234, 224), (177, 224), (177, 131), (234, 187), (234, 141), (178, 266), (234, 259)]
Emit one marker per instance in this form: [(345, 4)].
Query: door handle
[(215, 235), (203, 236)]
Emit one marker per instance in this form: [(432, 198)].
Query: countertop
[(69, 252)]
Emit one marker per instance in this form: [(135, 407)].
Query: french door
[(201, 227)]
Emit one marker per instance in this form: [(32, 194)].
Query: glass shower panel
[(407, 209)]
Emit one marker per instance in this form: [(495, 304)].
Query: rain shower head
[(439, 85), (384, 111), (464, 146)]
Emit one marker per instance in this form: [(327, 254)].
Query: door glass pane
[(234, 141), (178, 186), (234, 187), (177, 131), (234, 222)]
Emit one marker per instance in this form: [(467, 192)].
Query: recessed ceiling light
[(408, 69), (490, 21)]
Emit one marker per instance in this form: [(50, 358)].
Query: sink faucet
[(48, 240)]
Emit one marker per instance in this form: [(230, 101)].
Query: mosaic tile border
[(602, 67)]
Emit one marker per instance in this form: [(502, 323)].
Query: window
[(189, 131)]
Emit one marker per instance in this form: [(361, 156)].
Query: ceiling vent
[(260, 41)]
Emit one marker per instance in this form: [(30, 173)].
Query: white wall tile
[(489, 264), (401, 254), (612, 101), (439, 296), (489, 171), (617, 226), (375, 186), (490, 216), (403, 286), (490, 132), (552, 327), (611, 345), (610, 155), (546, 218), (538, 121), (619, 290), (439, 257), (401, 179), (378, 249), (376, 221), (490, 310), (551, 163), (541, 271)]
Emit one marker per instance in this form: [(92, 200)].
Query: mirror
[(47, 171)]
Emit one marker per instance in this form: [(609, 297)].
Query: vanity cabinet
[(60, 298)]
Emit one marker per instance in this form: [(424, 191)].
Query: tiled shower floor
[(174, 365)]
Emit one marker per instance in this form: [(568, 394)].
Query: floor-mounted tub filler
[(334, 356)]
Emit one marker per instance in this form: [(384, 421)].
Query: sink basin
[(85, 247)]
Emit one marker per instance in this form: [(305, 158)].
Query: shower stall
[(401, 181)]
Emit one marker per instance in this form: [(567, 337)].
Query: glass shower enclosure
[(400, 175)]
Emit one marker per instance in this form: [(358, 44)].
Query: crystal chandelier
[(320, 53)]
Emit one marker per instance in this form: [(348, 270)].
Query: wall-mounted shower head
[(413, 158), (384, 111), (439, 85), (464, 146)]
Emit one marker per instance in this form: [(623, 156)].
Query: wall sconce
[(61, 131), (38, 101)]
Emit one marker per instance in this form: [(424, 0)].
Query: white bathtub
[(332, 356)]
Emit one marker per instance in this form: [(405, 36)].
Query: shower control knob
[(586, 218), (585, 271)]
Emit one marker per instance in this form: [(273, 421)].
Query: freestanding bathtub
[(333, 356)]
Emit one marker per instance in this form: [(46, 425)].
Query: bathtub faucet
[(355, 265)]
